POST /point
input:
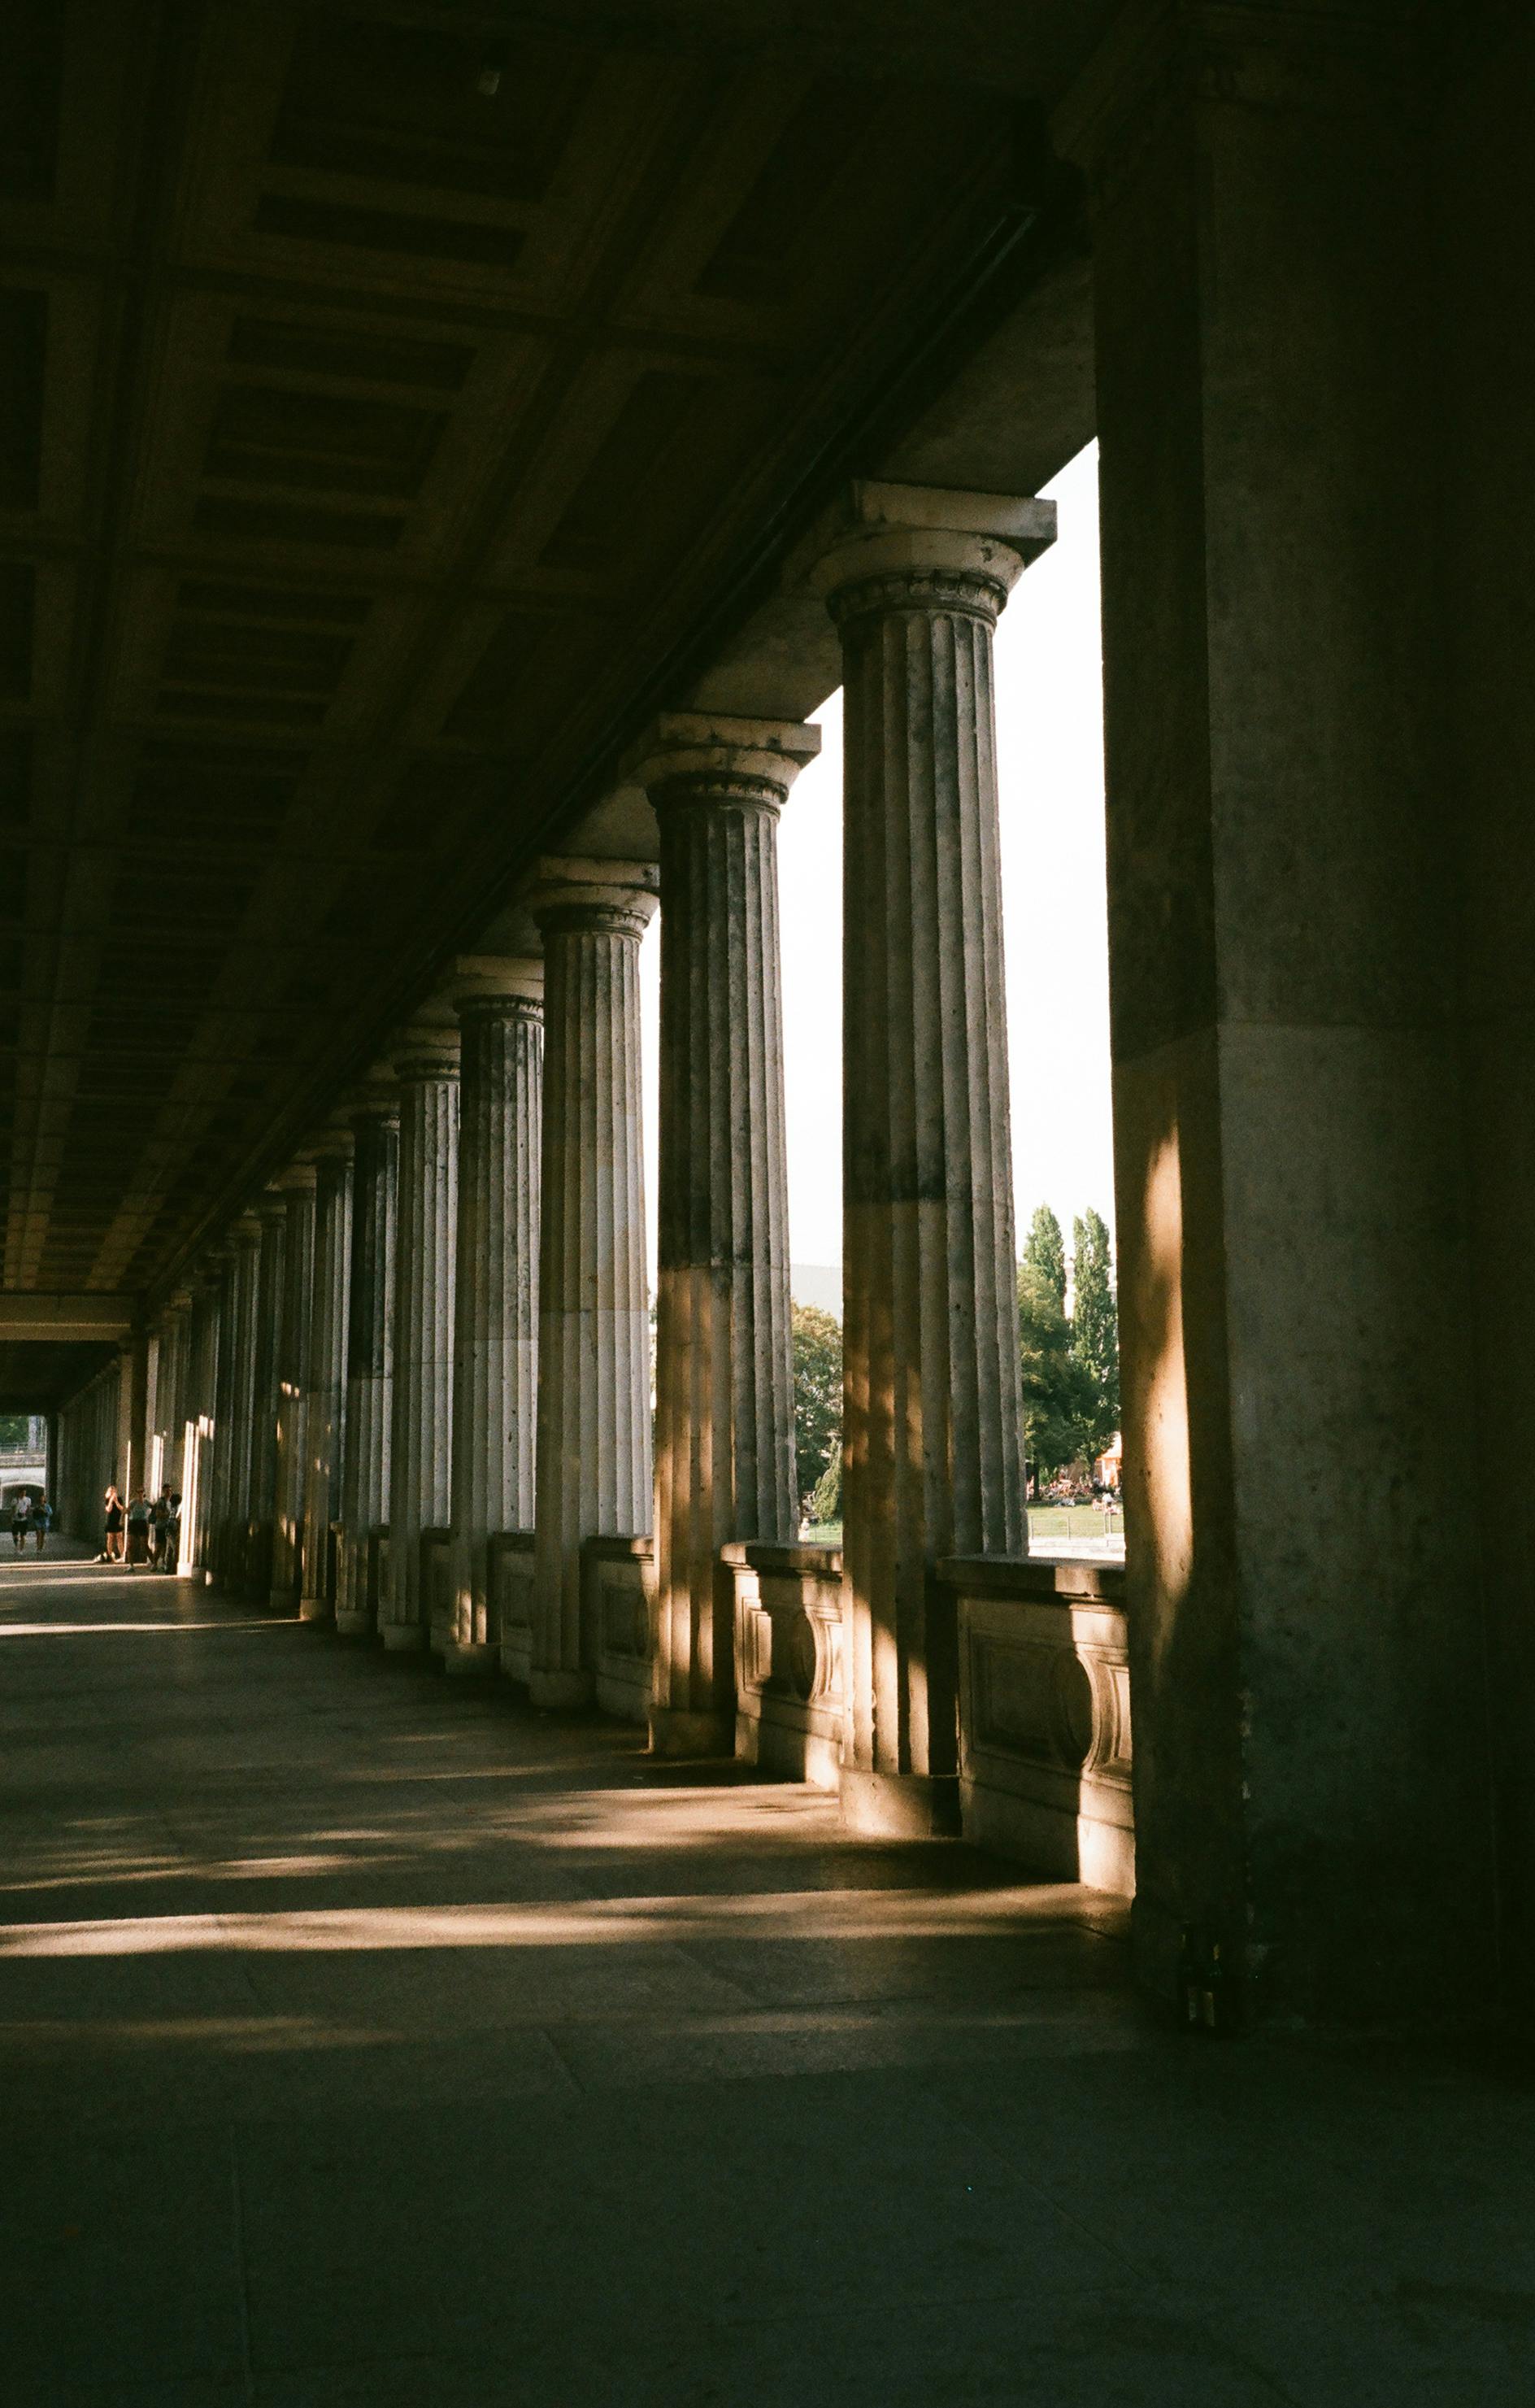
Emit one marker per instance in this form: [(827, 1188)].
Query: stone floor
[(369, 2040)]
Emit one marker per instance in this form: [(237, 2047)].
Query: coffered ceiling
[(387, 397)]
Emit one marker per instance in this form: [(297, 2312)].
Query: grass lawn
[(1056, 1523), (1049, 1525)]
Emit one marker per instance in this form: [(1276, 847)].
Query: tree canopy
[(818, 1397), (1070, 1362)]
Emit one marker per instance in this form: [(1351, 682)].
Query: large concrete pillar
[(293, 1383), (595, 1462), (724, 1371), (1308, 1669), (426, 1064), (933, 1461), (500, 1004), (272, 1213), (325, 1403), (370, 1357)]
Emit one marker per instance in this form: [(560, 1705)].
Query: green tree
[(1095, 1328), (825, 1501), (818, 1397), (13, 1430), (1045, 1254), (1054, 1390)]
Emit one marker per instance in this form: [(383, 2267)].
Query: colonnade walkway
[(369, 2038)]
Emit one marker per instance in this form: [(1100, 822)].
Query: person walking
[(172, 1546), (160, 1515), (21, 1520), (138, 1530), (111, 1547), (42, 1522)]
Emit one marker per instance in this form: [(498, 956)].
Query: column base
[(442, 1638), (315, 1609), (354, 1626), (281, 1600), (561, 1693), (674, 1732), (403, 1638), (463, 1655), (900, 1805)]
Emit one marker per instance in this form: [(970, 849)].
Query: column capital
[(492, 983), (246, 1229), (332, 1142), (271, 1207), (297, 1179), (714, 757), (570, 892), (375, 1098), (426, 1049), (937, 547)]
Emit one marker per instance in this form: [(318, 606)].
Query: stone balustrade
[(619, 1607), (1045, 1733), (790, 1702), (510, 1580)]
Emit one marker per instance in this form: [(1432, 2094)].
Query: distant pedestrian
[(21, 1520), (160, 1515), (42, 1522), (138, 1530), (111, 1545), (171, 1559)]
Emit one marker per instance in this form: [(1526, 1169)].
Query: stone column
[(170, 1388), (272, 1213), (293, 1383), (199, 1498), (370, 1357), (232, 1558), (325, 1405), (724, 1373), (594, 1470), (421, 1439), (500, 1006), (933, 1461), (217, 1454)]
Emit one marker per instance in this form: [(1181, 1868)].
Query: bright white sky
[(1050, 748)]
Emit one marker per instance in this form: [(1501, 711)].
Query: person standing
[(20, 1520), (112, 1548), (160, 1515), (138, 1530), (171, 1554), (42, 1522)]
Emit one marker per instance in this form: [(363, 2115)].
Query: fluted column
[(724, 1375), (200, 1498), (370, 1356), (292, 1381), (421, 1440), (594, 1473), (231, 1561), (932, 1459), (272, 1213), (495, 1306), (170, 1389), (325, 1405), (219, 1458)]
